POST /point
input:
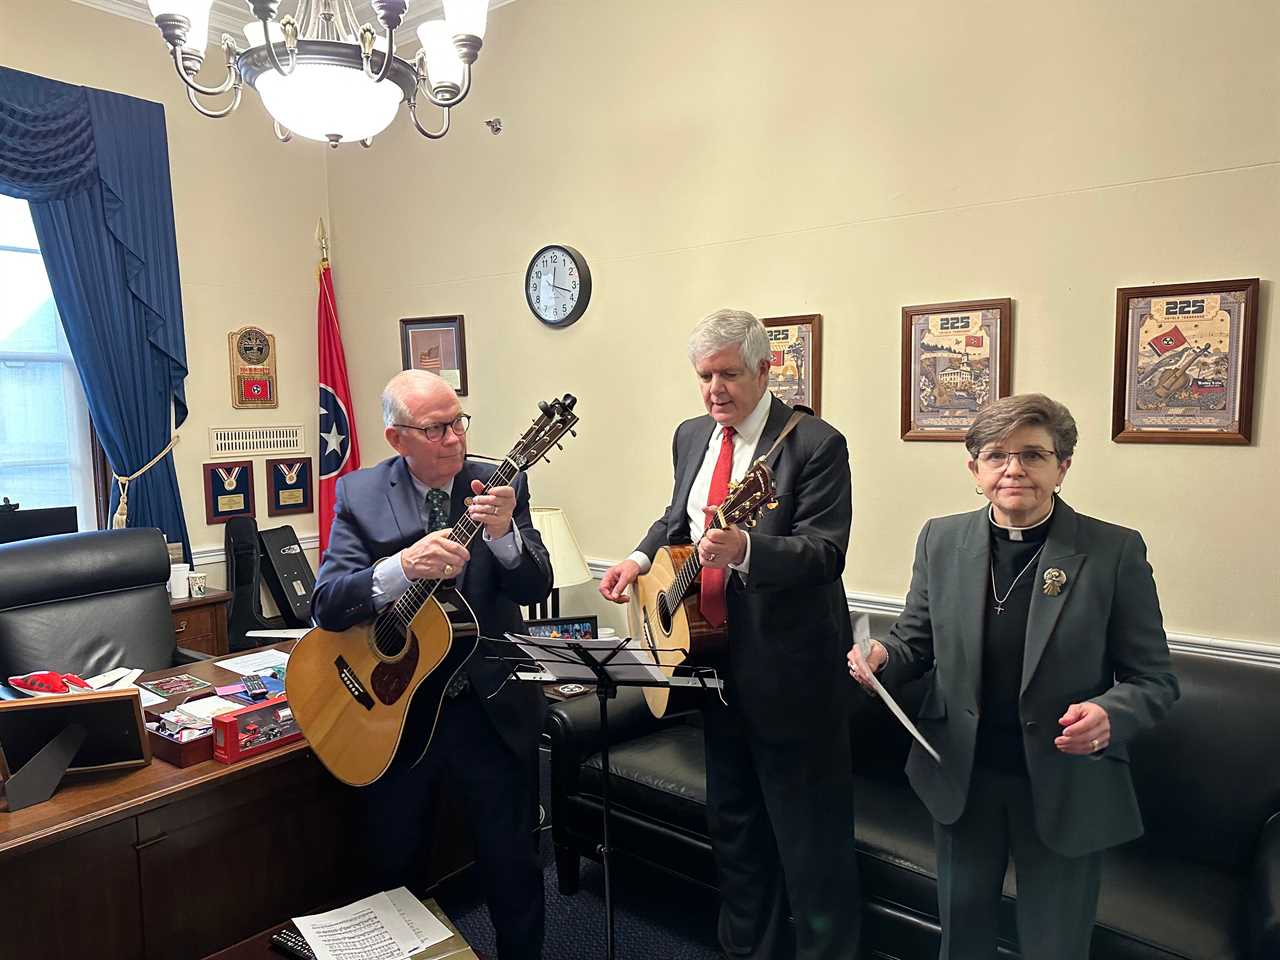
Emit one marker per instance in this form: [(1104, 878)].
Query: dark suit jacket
[(375, 515), (1100, 639), (789, 622)]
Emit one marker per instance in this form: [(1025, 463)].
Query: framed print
[(289, 486), (795, 361), (114, 737), (955, 360), (436, 344), (1184, 362), (564, 628), (228, 490)]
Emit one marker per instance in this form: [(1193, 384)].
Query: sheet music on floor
[(631, 662), (386, 926)]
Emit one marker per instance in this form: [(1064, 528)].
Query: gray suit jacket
[(788, 624), (1100, 639)]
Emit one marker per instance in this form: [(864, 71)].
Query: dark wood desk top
[(211, 596), (89, 800)]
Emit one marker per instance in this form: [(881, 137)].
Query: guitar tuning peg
[(573, 433), (771, 505), (546, 459), (559, 447)]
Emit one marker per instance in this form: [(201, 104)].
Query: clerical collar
[(1036, 532)]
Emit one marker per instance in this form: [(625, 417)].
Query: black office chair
[(86, 603)]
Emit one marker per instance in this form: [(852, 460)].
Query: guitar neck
[(683, 582)]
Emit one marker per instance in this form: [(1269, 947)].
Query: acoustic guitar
[(663, 613), (370, 696)]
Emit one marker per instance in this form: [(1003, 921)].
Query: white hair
[(730, 328), (400, 386)]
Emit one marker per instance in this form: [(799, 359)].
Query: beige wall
[(844, 159), (245, 208)]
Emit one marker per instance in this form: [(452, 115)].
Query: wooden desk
[(163, 863), (200, 623)]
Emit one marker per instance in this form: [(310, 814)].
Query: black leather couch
[(85, 603), (1202, 884)]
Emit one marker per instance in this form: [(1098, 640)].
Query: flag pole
[(322, 239)]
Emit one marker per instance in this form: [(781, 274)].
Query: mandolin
[(369, 696), (663, 613)]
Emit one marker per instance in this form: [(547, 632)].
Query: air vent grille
[(228, 442)]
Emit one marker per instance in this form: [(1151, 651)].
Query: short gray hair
[(1000, 418), (730, 328), (398, 387)]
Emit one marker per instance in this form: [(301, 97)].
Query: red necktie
[(711, 602)]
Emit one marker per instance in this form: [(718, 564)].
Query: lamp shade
[(567, 562)]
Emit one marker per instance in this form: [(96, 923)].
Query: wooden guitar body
[(364, 708), (679, 637)]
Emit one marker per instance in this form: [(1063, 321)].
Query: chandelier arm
[(446, 104), (439, 134), (283, 134), (228, 81), (215, 114), (271, 51), (386, 60)]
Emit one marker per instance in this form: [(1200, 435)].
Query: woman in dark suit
[(1044, 635)]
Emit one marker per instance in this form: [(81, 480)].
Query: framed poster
[(1184, 362), (228, 490), (955, 360), (289, 486), (795, 361), (436, 344)]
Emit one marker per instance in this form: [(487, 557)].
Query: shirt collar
[(750, 428), (423, 489)]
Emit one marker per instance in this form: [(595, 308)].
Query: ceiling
[(230, 16)]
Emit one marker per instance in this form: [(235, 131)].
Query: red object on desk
[(253, 729)]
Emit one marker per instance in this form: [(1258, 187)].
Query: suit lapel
[(779, 412), (973, 568), (690, 459), (403, 500), (1060, 553)]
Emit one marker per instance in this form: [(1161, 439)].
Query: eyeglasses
[(1030, 458), (435, 431)]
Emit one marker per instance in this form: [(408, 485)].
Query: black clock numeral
[(537, 275)]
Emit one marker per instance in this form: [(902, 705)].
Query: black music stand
[(600, 658)]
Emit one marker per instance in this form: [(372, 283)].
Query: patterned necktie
[(438, 519), (711, 602)]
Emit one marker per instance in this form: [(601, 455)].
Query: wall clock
[(557, 285)]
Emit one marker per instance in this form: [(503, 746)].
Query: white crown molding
[(1251, 650), (206, 556)]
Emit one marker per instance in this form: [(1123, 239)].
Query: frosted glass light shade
[(567, 562), (443, 64), (318, 100), (466, 16), (253, 32), (196, 12)]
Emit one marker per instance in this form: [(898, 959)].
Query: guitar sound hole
[(390, 638), (664, 614)]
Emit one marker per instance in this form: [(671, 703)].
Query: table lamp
[(567, 563)]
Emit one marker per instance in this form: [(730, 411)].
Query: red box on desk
[(254, 729)]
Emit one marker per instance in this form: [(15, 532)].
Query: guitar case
[(288, 574), (244, 580)]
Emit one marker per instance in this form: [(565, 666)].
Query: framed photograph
[(114, 739), (955, 360), (228, 490), (795, 360), (289, 486), (1184, 363), (564, 628), (436, 344)]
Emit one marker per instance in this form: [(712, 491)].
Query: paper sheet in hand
[(903, 719)]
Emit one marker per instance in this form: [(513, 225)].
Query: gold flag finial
[(322, 238)]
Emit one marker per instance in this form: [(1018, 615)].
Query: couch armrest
[(1263, 931), (573, 728), (181, 655)]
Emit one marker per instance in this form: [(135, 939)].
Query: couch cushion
[(661, 775)]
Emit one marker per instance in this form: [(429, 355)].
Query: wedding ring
[(1094, 744), (711, 558), (448, 569)]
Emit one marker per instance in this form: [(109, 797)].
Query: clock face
[(557, 285)]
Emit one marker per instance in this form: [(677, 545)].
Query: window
[(46, 449)]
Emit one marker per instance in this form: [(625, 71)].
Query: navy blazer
[(375, 515)]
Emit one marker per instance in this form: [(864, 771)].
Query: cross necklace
[(996, 593)]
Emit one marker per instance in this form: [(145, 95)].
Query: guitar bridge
[(353, 684)]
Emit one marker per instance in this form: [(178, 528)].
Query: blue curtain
[(94, 167)]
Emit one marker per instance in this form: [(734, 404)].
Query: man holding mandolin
[(396, 534), (779, 780)]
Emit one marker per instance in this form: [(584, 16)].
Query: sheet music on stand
[(627, 662)]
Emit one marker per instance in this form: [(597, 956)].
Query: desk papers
[(386, 926), (255, 662)]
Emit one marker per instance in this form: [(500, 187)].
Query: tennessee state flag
[(339, 450), (973, 341), (1171, 339)]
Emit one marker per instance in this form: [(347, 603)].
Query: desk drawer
[(195, 629)]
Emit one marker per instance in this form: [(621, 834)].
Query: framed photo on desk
[(564, 628)]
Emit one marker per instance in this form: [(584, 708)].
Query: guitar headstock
[(557, 418), (749, 497)]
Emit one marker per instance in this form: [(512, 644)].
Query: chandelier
[(323, 76)]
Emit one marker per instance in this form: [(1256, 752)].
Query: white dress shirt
[(745, 438)]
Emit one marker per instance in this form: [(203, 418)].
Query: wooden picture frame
[(795, 362), (289, 486), (228, 490), (955, 360), (588, 628), (115, 738), (1185, 358), (437, 344)]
